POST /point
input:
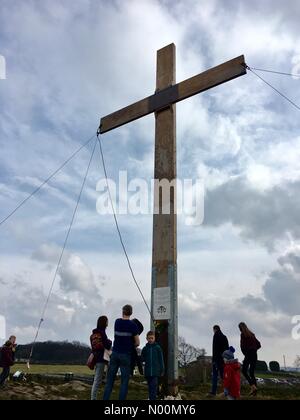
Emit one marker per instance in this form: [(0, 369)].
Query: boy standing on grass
[(152, 355)]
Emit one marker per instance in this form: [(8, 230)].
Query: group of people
[(7, 358), (228, 368), (124, 356)]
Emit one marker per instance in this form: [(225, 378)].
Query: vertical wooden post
[(164, 256)]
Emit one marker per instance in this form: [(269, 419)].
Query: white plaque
[(162, 303)]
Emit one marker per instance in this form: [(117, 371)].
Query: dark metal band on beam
[(164, 98)]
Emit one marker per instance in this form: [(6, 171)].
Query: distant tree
[(297, 362), (188, 353), (55, 353), (201, 353), (274, 366)]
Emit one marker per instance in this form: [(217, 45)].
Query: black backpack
[(139, 325)]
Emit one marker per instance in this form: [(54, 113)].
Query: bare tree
[(188, 353), (297, 362)]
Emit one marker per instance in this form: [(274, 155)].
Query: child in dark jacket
[(152, 355), (6, 361)]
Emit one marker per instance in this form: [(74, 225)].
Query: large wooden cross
[(162, 103)]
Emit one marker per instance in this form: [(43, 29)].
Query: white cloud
[(47, 253), (262, 216), (76, 276), (70, 64)]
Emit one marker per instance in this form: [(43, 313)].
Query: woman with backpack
[(99, 343), (249, 347)]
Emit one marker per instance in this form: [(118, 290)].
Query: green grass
[(53, 369), (278, 375), (83, 370)]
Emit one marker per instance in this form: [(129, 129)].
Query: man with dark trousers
[(220, 344)]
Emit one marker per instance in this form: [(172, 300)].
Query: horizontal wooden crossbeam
[(176, 93)]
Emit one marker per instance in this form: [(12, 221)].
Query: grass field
[(83, 370), (53, 369), (137, 391), (41, 389), (279, 375)]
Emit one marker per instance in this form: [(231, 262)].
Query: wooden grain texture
[(165, 225), (167, 94), (212, 78), (164, 253)]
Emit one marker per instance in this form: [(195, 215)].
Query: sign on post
[(162, 303)]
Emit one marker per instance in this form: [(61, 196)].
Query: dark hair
[(150, 333), (127, 310), (217, 328), (245, 330), (102, 322)]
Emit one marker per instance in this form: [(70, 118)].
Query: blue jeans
[(152, 387), (217, 369), (122, 361), (99, 370)]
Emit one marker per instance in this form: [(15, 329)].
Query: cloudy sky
[(68, 64)]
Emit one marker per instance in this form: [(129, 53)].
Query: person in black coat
[(249, 346), (220, 344), (6, 360)]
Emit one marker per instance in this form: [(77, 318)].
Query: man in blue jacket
[(126, 338)]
